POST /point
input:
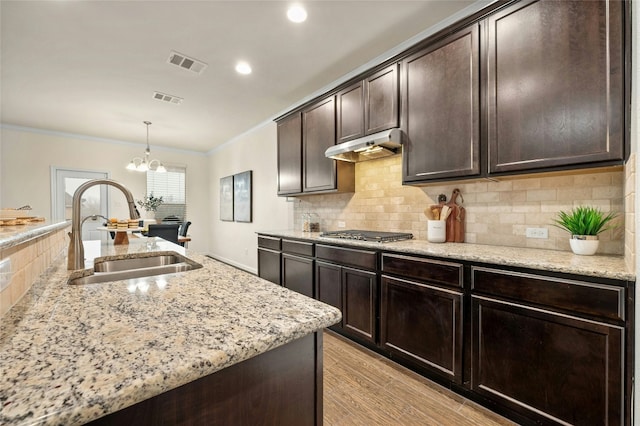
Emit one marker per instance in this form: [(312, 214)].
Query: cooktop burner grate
[(381, 237)]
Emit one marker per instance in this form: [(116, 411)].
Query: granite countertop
[(71, 354), (11, 236), (602, 266)]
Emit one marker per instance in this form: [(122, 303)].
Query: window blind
[(171, 186)]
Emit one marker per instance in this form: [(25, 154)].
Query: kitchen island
[(74, 354)]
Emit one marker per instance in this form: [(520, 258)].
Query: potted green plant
[(150, 203), (584, 223)]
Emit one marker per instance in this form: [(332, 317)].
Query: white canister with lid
[(437, 231)]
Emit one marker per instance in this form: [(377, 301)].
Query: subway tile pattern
[(498, 212)]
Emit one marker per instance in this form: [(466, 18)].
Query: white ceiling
[(91, 67)]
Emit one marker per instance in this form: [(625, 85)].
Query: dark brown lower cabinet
[(269, 258), (422, 324), (540, 348), (329, 286), (280, 387), (269, 265), (552, 367), (360, 300), (297, 274), (354, 292)]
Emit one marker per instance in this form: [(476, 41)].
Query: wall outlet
[(537, 233), (341, 224)]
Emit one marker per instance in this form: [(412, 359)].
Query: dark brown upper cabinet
[(319, 173), (441, 109), (290, 155), (368, 106), (555, 85)]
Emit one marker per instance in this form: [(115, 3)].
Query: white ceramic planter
[(585, 245)]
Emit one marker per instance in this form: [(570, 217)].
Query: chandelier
[(143, 164)]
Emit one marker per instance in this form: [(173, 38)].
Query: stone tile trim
[(629, 212)]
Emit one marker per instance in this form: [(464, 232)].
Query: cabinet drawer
[(436, 271), (297, 247), (350, 257), (570, 295), (272, 243)]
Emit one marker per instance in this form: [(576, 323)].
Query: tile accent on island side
[(30, 250)]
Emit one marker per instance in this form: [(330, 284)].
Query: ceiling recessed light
[(296, 13), (243, 68)]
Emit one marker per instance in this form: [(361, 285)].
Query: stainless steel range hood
[(377, 145)]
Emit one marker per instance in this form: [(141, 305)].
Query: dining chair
[(165, 231), (182, 231)]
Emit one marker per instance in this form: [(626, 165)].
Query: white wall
[(236, 242), (27, 157)]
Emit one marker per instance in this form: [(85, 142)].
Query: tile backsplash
[(497, 212)]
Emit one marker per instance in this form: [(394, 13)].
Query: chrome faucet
[(75, 258)]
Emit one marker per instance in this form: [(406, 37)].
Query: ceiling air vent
[(167, 98), (185, 62)]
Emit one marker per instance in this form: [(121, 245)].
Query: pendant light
[(143, 164)]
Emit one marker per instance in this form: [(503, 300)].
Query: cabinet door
[(269, 265), (381, 100), (548, 366), (423, 324), (290, 155), (329, 285), (555, 84), (441, 109), (297, 274), (318, 134), (350, 113), (359, 303)]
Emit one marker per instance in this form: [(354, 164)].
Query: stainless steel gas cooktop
[(381, 237)]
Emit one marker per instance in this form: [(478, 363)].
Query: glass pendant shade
[(142, 164)]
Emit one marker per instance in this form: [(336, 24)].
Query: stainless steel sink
[(116, 265), (143, 265)]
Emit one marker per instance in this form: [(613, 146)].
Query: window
[(171, 187)]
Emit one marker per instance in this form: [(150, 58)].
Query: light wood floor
[(364, 388)]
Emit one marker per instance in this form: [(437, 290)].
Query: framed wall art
[(242, 195), (226, 198)]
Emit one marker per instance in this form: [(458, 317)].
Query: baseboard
[(233, 263)]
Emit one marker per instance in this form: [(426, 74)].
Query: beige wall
[(236, 242), (27, 158)]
